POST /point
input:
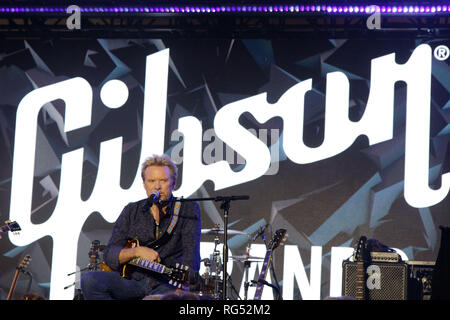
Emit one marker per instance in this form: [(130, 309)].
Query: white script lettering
[(107, 197)]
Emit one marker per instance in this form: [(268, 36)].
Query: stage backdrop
[(330, 139)]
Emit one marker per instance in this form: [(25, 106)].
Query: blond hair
[(160, 161)]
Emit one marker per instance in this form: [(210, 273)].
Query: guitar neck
[(360, 281), (150, 265), (361, 259), (10, 226), (20, 268), (178, 275), (262, 275), (13, 285)]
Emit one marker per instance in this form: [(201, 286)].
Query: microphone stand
[(81, 270), (88, 267), (30, 281), (69, 274), (225, 206)]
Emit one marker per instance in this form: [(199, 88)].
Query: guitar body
[(105, 267), (178, 275), (128, 269)]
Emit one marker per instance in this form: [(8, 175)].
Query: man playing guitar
[(167, 233)]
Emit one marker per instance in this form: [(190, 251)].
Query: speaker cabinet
[(383, 281)]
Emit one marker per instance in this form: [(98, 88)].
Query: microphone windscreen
[(154, 195)]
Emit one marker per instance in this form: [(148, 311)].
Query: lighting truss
[(212, 8), (338, 19)]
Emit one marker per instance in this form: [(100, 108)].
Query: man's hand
[(127, 254), (147, 253)]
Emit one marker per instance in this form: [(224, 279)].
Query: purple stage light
[(268, 9)]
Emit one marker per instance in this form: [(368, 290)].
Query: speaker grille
[(393, 281)]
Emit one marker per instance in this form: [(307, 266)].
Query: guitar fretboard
[(150, 265), (360, 281), (5, 228), (262, 275), (10, 226)]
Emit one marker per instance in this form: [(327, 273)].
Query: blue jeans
[(105, 285)]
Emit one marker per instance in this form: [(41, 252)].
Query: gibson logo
[(108, 196)]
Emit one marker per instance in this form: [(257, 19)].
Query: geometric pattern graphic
[(328, 203)]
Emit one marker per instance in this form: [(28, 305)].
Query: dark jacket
[(136, 222)]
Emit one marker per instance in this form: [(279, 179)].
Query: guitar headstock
[(10, 226), (360, 253), (277, 238), (26, 260), (95, 247), (94, 254), (179, 275)]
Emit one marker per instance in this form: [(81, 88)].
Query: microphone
[(153, 198), (260, 232)]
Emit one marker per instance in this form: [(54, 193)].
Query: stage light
[(331, 9)]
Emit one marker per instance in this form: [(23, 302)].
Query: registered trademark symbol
[(441, 52)]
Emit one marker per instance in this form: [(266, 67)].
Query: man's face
[(158, 178)]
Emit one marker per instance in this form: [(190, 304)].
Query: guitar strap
[(173, 222)]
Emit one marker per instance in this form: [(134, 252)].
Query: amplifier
[(384, 257), (422, 271), (384, 281)]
